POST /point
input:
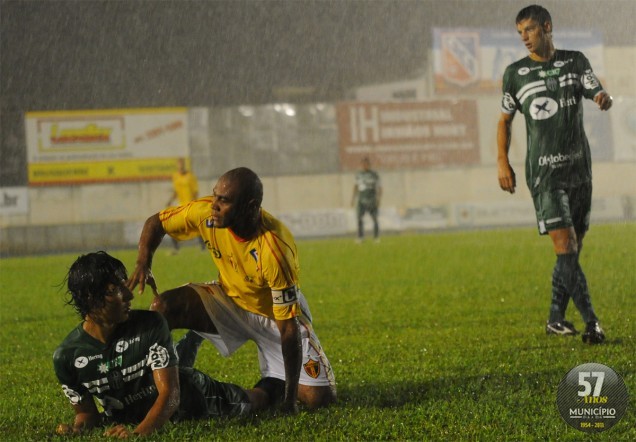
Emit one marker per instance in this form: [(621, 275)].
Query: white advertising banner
[(14, 201)]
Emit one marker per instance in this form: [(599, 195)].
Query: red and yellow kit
[(261, 274)]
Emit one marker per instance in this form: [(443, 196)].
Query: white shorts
[(235, 326)]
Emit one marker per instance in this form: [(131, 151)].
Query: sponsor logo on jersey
[(285, 297), (550, 73), (216, 253), (141, 394), (508, 103), (254, 254), (312, 368), (589, 80), (81, 362), (71, 394), (122, 346), (543, 108), (524, 71), (158, 357), (560, 159)]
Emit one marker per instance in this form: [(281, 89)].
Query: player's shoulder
[(75, 339)]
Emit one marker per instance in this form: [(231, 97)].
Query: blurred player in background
[(125, 360), (367, 192), (548, 87), (257, 296), (185, 189)]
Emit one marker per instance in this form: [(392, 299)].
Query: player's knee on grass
[(314, 397)]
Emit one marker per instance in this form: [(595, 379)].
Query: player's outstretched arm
[(167, 383), (603, 100), (86, 418), (151, 236)]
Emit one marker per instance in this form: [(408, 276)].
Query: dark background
[(58, 55)]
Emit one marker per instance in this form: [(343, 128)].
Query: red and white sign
[(408, 135)]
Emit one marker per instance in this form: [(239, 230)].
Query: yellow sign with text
[(101, 171)]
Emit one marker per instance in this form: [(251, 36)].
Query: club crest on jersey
[(312, 368), (552, 84)]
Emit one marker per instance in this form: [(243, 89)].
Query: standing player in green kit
[(548, 87)]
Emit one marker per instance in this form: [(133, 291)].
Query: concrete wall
[(97, 216)]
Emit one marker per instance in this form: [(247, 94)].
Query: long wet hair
[(88, 279), (536, 13)]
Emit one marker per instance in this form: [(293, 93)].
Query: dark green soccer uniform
[(558, 160), (549, 94), (367, 183), (119, 374)]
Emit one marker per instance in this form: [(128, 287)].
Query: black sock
[(188, 347)]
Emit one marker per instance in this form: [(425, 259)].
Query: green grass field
[(431, 336)]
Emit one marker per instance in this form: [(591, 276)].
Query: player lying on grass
[(125, 360)]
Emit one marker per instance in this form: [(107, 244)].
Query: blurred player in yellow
[(257, 296), (185, 189)]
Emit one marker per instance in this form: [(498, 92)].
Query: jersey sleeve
[(280, 269), (161, 353), (66, 374), (183, 222), (509, 104), (589, 81)]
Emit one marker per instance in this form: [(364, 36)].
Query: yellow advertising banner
[(66, 147), (101, 171)]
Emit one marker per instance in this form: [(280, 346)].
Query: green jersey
[(118, 374), (367, 183), (549, 94)]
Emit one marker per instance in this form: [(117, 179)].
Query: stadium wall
[(298, 160)]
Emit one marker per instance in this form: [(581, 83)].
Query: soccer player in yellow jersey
[(257, 296), (185, 189)]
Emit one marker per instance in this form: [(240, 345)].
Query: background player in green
[(548, 87), (367, 190), (125, 360)]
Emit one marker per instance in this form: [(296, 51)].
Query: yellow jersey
[(260, 274), (185, 186)]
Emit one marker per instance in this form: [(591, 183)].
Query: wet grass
[(431, 336)]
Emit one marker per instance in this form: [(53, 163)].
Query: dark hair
[(250, 185), (88, 278), (534, 12)]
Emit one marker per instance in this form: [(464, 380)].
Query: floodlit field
[(431, 336)]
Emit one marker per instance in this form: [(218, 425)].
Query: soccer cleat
[(568, 324), (563, 328), (594, 334)]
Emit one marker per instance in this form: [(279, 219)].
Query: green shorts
[(563, 208)]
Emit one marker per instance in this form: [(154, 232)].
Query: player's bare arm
[(292, 354), (167, 402), (603, 100), (86, 418), (507, 178), (150, 239)]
